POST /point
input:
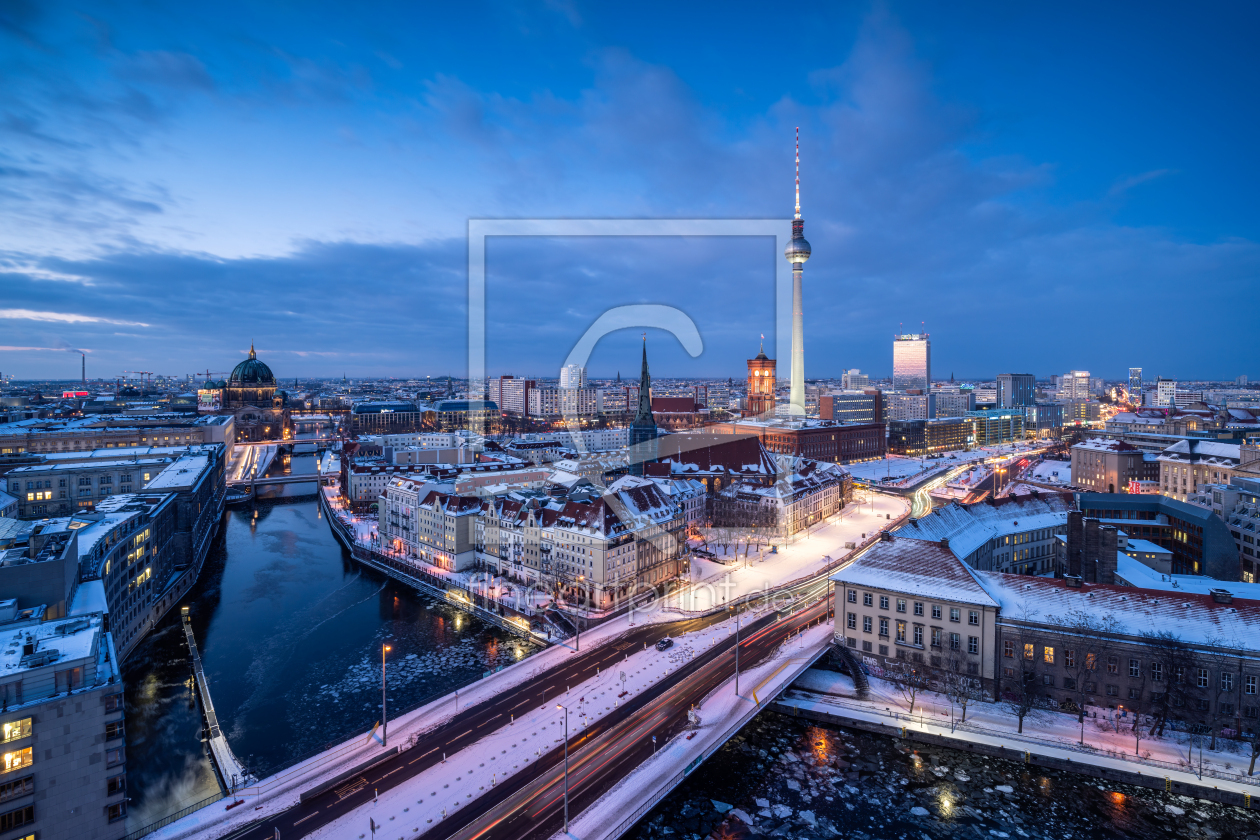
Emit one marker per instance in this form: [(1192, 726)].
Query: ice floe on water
[(786, 778)]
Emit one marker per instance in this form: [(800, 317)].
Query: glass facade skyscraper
[(1135, 384), (912, 362), (1016, 389)]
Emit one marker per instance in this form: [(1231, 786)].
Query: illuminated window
[(16, 729), (1028, 650), (1048, 655), (16, 760)]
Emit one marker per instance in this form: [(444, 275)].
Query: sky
[(1041, 187)]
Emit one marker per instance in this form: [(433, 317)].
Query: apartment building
[(56, 488), (912, 605), (1105, 465), (62, 738), (88, 433), (1015, 534)]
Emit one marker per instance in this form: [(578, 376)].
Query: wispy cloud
[(1126, 184), (65, 318)]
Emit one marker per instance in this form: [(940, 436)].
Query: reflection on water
[(290, 633), (785, 777)]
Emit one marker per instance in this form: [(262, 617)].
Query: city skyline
[(936, 194)]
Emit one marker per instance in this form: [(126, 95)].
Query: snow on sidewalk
[(721, 714), (1053, 734), (281, 790), (435, 794), (714, 584)]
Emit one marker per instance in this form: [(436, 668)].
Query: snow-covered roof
[(1210, 452), (1145, 546), (1105, 445), (183, 473), (1195, 617), (89, 598), (916, 568), (968, 527), (72, 638)]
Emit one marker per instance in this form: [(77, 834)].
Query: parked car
[(665, 643)]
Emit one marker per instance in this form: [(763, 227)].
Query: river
[(290, 631), (785, 777)]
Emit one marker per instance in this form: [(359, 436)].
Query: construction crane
[(209, 373)]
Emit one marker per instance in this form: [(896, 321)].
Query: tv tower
[(797, 252)]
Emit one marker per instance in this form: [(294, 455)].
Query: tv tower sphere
[(797, 250)]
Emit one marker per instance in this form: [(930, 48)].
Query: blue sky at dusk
[(1046, 187)]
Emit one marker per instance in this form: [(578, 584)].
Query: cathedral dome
[(252, 372)]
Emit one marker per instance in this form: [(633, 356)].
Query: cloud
[(1126, 184), (167, 68), (354, 228), (64, 318), (10, 348)]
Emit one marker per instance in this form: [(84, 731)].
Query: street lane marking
[(391, 772), (307, 817)]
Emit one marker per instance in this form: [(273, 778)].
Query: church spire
[(252, 354), (643, 431), (644, 415)]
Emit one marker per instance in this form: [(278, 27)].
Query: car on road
[(665, 643)]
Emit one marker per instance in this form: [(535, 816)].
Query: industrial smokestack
[(84, 355)]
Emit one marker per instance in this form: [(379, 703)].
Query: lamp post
[(566, 765), (577, 624), (384, 711)]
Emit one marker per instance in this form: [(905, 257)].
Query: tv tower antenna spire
[(798, 172)]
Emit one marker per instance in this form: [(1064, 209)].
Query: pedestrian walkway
[(231, 771)]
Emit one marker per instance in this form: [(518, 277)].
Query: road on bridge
[(466, 728), (535, 809)]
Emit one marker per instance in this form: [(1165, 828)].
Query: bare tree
[(961, 689), (1173, 665), (1224, 682), (1255, 751), (1020, 693), (1082, 639), (909, 682)]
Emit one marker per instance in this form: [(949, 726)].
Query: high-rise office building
[(1135, 384), (854, 380), (1016, 389), (572, 376), (1075, 385), (912, 362), (1165, 391)]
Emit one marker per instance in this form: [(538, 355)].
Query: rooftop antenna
[(798, 172)]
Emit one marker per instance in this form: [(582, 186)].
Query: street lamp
[(566, 765), (384, 712)]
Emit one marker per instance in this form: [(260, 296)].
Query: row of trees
[(1081, 653)]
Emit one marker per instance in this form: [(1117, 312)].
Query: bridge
[(300, 478), (489, 761), (232, 774), (325, 441), (608, 735)]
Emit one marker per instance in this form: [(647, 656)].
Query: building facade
[(911, 606), (928, 437), (761, 385), (1015, 390), (510, 394), (1104, 465), (1200, 542), (912, 362), (64, 746), (865, 406)]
